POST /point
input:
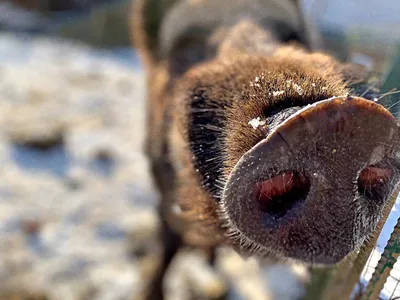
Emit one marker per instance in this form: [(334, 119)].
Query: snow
[(256, 122), (278, 93)]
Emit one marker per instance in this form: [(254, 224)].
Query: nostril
[(374, 182), (277, 195)]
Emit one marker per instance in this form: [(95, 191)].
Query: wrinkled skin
[(235, 143)]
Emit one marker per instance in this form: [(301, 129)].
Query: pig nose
[(316, 186)]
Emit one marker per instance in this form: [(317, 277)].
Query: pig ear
[(146, 19)]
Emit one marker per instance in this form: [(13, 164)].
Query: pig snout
[(316, 186)]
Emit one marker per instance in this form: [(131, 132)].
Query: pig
[(256, 139)]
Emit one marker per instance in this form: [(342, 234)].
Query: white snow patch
[(256, 122), (277, 93), (298, 89), (296, 86), (255, 84)]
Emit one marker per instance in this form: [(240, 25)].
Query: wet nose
[(306, 184)]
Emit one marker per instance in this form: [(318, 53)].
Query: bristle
[(214, 92)]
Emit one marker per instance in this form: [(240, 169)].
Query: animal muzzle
[(316, 186)]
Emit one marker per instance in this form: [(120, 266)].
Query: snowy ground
[(74, 189)]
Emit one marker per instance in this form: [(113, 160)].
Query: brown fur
[(206, 81), (243, 54), (224, 80)]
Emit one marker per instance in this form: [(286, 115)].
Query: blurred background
[(77, 204)]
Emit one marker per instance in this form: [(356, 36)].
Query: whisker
[(397, 102), (368, 89), (391, 92)]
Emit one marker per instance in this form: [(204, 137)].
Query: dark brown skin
[(235, 145)]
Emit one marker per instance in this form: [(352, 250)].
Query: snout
[(316, 186)]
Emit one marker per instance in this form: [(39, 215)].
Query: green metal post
[(385, 265)]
